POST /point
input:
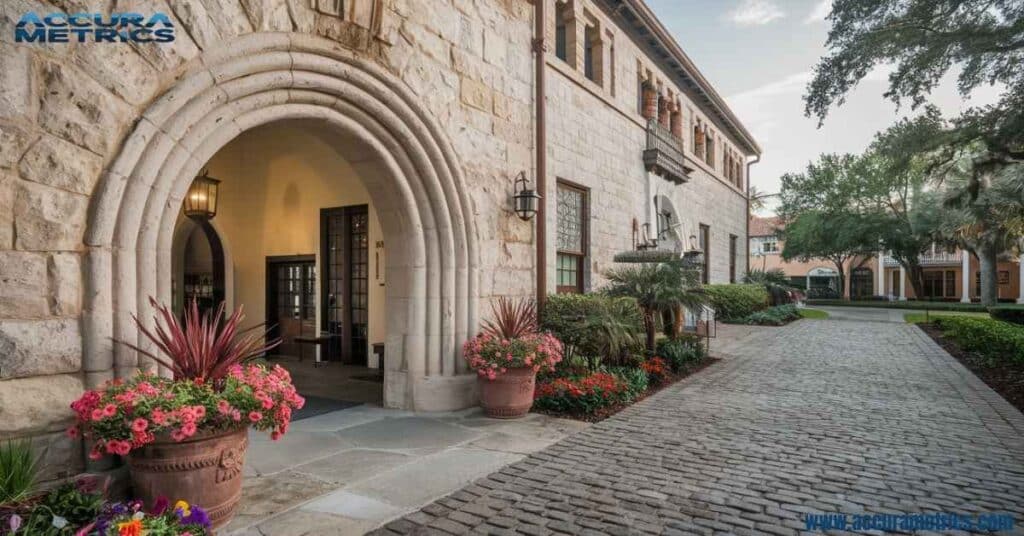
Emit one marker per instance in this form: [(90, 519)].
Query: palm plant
[(667, 286), (512, 318), (206, 346), (19, 467)]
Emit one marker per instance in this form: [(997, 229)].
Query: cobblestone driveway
[(819, 416)]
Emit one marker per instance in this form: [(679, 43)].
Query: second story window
[(571, 238), (563, 30), (592, 54)]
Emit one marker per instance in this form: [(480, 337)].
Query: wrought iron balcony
[(664, 154)]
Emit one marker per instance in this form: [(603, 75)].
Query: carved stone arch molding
[(417, 187)]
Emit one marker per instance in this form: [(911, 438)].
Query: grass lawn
[(919, 317), (813, 314)]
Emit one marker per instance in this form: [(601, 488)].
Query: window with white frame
[(764, 245)]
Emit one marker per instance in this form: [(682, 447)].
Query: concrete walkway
[(349, 471), (819, 416)]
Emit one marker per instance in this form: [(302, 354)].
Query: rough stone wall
[(65, 110)]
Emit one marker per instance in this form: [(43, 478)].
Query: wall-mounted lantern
[(201, 199), (525, 199)]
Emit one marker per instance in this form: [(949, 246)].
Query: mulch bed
[(1006, 378), (608, 411)]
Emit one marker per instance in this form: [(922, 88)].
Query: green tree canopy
[(838, 237), (982, 40)]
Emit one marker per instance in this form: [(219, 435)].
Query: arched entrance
[(422, 205)]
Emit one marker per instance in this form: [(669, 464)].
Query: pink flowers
[(129, 414), (491, 357)]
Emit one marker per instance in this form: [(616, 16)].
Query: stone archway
[(268, 77)]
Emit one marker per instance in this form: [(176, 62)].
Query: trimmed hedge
[(773, 316), (915, 305), (737, 301), (994, 339), (1008, 313)]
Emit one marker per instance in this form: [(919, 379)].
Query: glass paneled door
[(345, 275), (291, 305)]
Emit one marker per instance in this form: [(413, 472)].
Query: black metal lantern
[(201, 199), (525, 199)]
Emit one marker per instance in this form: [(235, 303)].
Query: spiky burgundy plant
[(512, 318), (206, 346)]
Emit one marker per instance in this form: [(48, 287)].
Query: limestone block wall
[(66, 112)]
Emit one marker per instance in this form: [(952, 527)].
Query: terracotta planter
[(205, 470), (510, 395)]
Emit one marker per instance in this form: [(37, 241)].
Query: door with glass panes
[(344, 273), (291, 301)]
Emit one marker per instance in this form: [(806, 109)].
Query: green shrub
[(993, 339), (914, 304), (776, 284), (1008, 313), (773, 316), (636, 380), (19, 468), (594, 328), (681, 353), (737, 301)]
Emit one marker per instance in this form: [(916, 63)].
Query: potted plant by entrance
[(186, 436), (507, 355)]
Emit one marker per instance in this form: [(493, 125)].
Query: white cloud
[(755, 13), (819, 13)]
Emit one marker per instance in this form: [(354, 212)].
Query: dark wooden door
[(291, 300), (345, 275)]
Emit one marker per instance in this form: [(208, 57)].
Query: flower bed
[(988, 348), (79, 509), (593, 396)]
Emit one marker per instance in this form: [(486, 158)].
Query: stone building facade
[(431, 101)]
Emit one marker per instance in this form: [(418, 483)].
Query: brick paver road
[(818, 416)]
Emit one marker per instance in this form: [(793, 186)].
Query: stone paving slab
[(817, 416), (349, 471)]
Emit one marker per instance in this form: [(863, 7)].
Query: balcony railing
[(932, 258), (664, 154)]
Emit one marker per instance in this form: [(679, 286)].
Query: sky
[(759, 55)]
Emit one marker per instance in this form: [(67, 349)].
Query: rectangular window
[(611, 68), (950, 284), (733, 243), (561, 41), (572, 218), (705, 246), (590, 55), (977, 283)]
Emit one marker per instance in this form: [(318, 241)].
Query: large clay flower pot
[(204, 470), (510, 395)]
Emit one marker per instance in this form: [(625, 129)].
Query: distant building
[(946, 272)]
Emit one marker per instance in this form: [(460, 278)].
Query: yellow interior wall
[(274, 181)]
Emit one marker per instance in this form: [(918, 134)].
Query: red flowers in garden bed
[(580, 395)]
